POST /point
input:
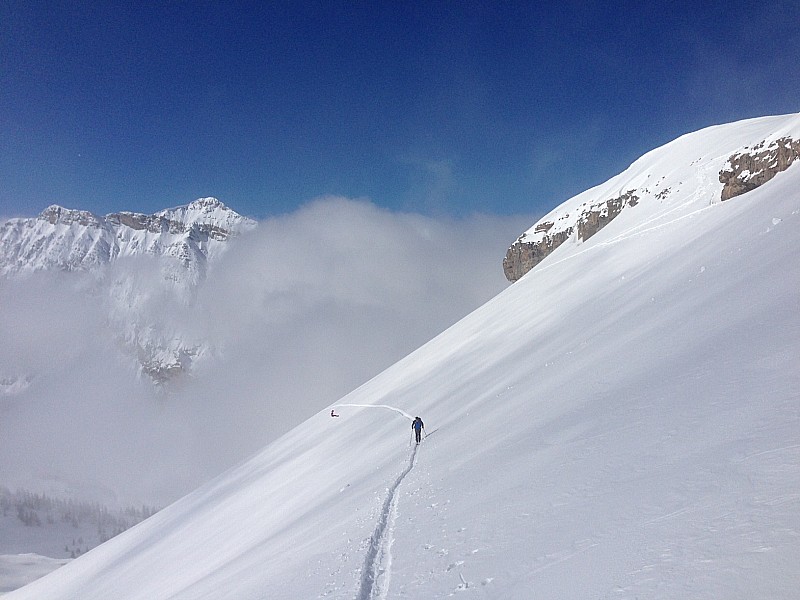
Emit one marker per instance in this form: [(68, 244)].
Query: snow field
[(620, 423)]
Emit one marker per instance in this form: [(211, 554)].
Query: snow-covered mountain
[(178, 244), (620, 423), (69, 240), (712, 165)]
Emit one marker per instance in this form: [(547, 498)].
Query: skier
[(333, 413), (418, 426)]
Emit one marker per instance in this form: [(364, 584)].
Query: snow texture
[(377, 569), (620, 423)]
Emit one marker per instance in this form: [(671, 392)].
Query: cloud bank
[(299, 312)]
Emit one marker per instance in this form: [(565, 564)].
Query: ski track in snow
[(386, 406), (377, 570)]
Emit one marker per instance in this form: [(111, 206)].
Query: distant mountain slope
[(697, 169), (622, 422), (178, 243)]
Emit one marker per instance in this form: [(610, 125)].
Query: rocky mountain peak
[(209, 203), (208, 216)]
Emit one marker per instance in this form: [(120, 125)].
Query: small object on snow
[(333, 413)]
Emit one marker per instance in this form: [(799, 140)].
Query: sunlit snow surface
[(623, 422)]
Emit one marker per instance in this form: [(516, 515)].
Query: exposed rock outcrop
[(55, 215), (523, 255), (748, 170), (139, 222), (597, 217)]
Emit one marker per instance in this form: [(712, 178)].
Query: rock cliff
[(753, 167)]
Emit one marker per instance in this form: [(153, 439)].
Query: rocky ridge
[(696, 170), (68, 240)]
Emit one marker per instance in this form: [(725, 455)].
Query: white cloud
[(301, 311)]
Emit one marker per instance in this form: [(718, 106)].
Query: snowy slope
[(620, 423)]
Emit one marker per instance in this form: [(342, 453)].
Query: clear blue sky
[(444, 108)]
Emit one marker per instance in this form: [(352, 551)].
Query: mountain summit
[(68, 240), (620, 423)]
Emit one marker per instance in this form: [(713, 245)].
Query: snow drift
[(621, 422)]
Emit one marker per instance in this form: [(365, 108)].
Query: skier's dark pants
[(419, 434)]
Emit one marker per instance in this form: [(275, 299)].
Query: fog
[(295, 314)]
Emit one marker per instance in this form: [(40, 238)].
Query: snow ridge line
[(377, 570)]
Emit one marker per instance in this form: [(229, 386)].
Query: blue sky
[(442, 108)]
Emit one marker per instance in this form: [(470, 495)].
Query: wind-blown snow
[(621, 422)]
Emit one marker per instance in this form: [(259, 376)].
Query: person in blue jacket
[(418, 426)]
